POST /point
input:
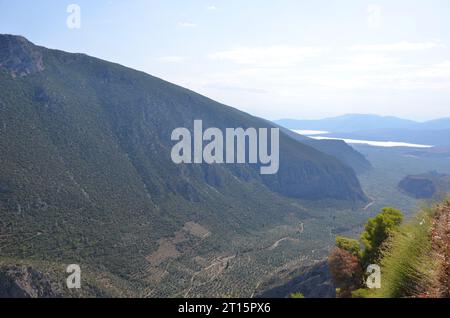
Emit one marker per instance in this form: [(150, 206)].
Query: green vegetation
[(86, 178), (414, 256), (297, 295), (376, 231), (415, 260), (350, 245), (405, 260), (347, 260)]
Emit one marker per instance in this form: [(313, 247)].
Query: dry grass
[(415, 261)]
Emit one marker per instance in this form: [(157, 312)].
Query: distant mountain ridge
[(377, 128), (363, 122)]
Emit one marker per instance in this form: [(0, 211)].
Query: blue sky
[(274, 59)]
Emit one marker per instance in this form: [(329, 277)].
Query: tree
[(346, 261), (377, 230), (346, 272), (350, 245)]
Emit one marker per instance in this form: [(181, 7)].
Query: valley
[(86, 178), (390, 165), (258, 258)]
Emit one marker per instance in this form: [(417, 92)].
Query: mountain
[(86, 176), (377, 128), (348, 123), (437, 124), (336, 148), (362, 122), (426, 186)]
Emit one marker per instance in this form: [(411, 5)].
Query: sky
[(273, 59)]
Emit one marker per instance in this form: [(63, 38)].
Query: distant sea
[(315, 134)]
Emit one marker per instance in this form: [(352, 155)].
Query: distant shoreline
[(314, 134)]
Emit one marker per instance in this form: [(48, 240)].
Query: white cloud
[(403, 46), (291, 77), (186, 24), (374, 16), (335, 73), (362, 62), (271, 56), (211, 7), (171, 59)]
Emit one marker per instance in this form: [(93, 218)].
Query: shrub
[(345, 270)]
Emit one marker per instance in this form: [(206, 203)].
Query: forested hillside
[(86, 175)]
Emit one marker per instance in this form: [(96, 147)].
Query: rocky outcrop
[(418, 187), (19, 56), (425, 186), (312, 282), (25, 282)]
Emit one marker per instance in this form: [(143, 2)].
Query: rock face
[(418, 187), (19, 56), (312, 282), (425, 186), (24, 282)]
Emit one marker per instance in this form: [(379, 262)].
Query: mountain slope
[(336, 148), (86, 174)]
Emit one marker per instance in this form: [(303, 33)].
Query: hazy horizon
[(289, 59), (361, 114)]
